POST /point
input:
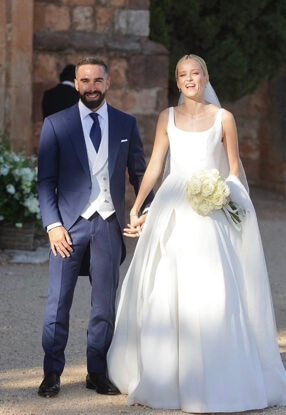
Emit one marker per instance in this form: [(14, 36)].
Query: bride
[(195, 328)]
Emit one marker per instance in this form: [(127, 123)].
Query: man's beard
[(93, 103)]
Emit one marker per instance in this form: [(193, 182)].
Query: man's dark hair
[(92, 61), (68, 73)]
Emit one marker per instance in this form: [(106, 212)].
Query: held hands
[(60, 241), (135, 227)]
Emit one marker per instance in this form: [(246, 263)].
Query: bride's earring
[(179, 89)]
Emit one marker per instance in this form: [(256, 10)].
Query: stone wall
[(39, 37), (273, 148), (116, 31), (261, 128), (16, 51)]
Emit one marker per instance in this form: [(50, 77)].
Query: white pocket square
[(124, 140)]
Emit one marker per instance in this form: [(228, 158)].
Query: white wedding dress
[(195, 328)]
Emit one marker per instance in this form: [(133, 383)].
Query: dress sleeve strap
[(171, 121)]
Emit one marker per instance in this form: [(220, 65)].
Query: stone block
[(47, 40), (118, 3), (249, 151), (19, 74), (153, 48), (139, 4), (251, 169), (123, 44), (138, 103), (45, 67), (21, 30), (162, 99), (115, 98), (280, 188), (129, 101), (39, 16), (21, 112), (57, 17), (104, 19), (117, 69), (145, 101), (248, 130), (81, 2), (74, 57), (62, 41), (83, 18), (104, 3), (101, 56), (132, 22), (145, 71), (253, 105), (270, 171), (90, 42), (38, 91), (266, 149), (147, 127)]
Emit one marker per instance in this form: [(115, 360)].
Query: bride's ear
[(207, 78)]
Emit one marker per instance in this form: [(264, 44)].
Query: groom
[(83, 155)]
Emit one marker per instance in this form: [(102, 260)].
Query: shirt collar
[(68, 83), (84, 111)]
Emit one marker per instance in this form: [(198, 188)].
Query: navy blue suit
[(64, 186)]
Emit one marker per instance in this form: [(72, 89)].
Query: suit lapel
[(74, 127), (115, 128)]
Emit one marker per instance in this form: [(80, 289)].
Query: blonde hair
[(196, 58)]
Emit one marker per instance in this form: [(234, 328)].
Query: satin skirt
[(195, 328)]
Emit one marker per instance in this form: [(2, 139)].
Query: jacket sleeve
[(48, 165), (136, 164)]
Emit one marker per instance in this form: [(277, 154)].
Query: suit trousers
[(105, 239)]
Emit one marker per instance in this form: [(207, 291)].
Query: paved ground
[(23, 296)]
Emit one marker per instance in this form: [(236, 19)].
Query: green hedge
[(243, 42)]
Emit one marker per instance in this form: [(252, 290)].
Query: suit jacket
[(64, 182), (58, 98)]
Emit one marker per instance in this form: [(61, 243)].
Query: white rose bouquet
[(19, 198), (207, 191)]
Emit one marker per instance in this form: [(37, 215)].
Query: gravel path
[(23, 297)]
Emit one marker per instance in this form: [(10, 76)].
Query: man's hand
[(60, 241), (135, 227)]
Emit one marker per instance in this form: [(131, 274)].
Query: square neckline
[(193, 132)]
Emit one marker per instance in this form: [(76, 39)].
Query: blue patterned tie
[(95, 131)]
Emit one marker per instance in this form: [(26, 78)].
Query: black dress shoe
[(50, 385), (101, 384)]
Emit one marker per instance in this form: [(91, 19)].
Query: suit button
[(89, 187)]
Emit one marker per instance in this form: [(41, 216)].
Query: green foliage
[(18, 187), (243, 43)]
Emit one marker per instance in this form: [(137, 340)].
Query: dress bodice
[(193, 151)]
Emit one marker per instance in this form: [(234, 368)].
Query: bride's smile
[(191, 79)]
